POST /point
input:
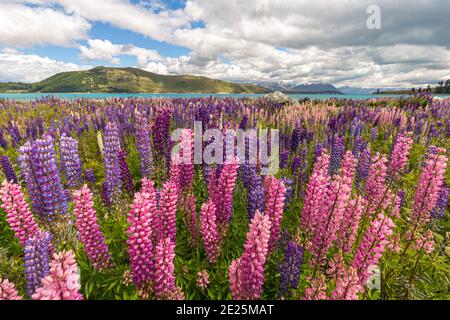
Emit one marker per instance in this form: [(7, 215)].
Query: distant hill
[(128, 80)]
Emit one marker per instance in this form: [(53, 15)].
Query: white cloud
[(105, 50), (24, 26), (30, 68)]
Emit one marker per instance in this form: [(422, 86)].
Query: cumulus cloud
[(15, 66), (105, 50)]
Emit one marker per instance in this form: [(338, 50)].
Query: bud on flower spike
[(8, 291)]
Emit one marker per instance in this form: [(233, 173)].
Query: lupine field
[(94, 207)]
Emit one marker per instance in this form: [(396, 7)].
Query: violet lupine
[(8, 169), (89, 175), (347, 285), (164, 276), (41, 175), (337, 152), (399, 155), (246, 274), (349, 225), (255, 195), (63, 282), (141, 220), (427, 192), (290, 267), (36, 258), (8, 291), (438, 211), (142, 134), (125, 175), (167, 211), (111, 160), (191, 219), (315, 192), (362, 170), (70, 161), (223, 196), (332, 210), (208, 229), (375, 185), (161, 132), (275, 191), (89, 230), (372, 246), (18, 214)]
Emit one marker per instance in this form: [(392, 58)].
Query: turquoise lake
[(71, 96)]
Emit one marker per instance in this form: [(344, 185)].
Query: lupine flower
[(89, 231), (427, 192), (8, 291), (347, 285), (362, 170), (63, 282), (315, 191), (141, 220), (19, 217), (202, 279), (106, 194), (438, 211), (375, 186), (142, 133), (350, 223), (208, 229), (8, 169), (290, 267), (399, 155), (274, 204), (191, 217), (111, 160), (70, 161), (337, 152), (372, 246), (317, 289), (89, 175), (246, 274), (333, 208), (41, 175), (167, 211), (36, 258), (164, 278), (255, 195), (125, 175), (187, 160)]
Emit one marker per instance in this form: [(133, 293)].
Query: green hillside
[(128, 80)]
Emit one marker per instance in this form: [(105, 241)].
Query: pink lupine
[(372, 246), (425, 242), (399, 155), (332, 210), (350, 223), (63, 282), (223, 196), (347, 285), (208, 229), (164, 277), (275, 191), (191, 217), (19, 216), (315, 192), (247, 272), (427, 191), (167, 211), (202, 279), (147, 185), (89, 229), (317, 289), (8, 291), (186, 174), (141, 219), (375, 185)]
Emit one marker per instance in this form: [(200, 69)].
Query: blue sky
[(245, 41)]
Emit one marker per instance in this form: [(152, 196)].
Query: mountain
[(277, 86), (128, 80), (314, 88)]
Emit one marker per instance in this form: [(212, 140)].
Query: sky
[(355, 43)]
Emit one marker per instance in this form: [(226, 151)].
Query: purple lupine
[(142, 134), (255, 196), (438, 212), (70, 161), (37, 252), (295, 140), (8, 169), (362, 170), (42, 178), (111, 160), (290, 267), (287, 196), (3, 142), (337, 152), (284, 159), (125, 175), (161, 133), (89, 176)]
